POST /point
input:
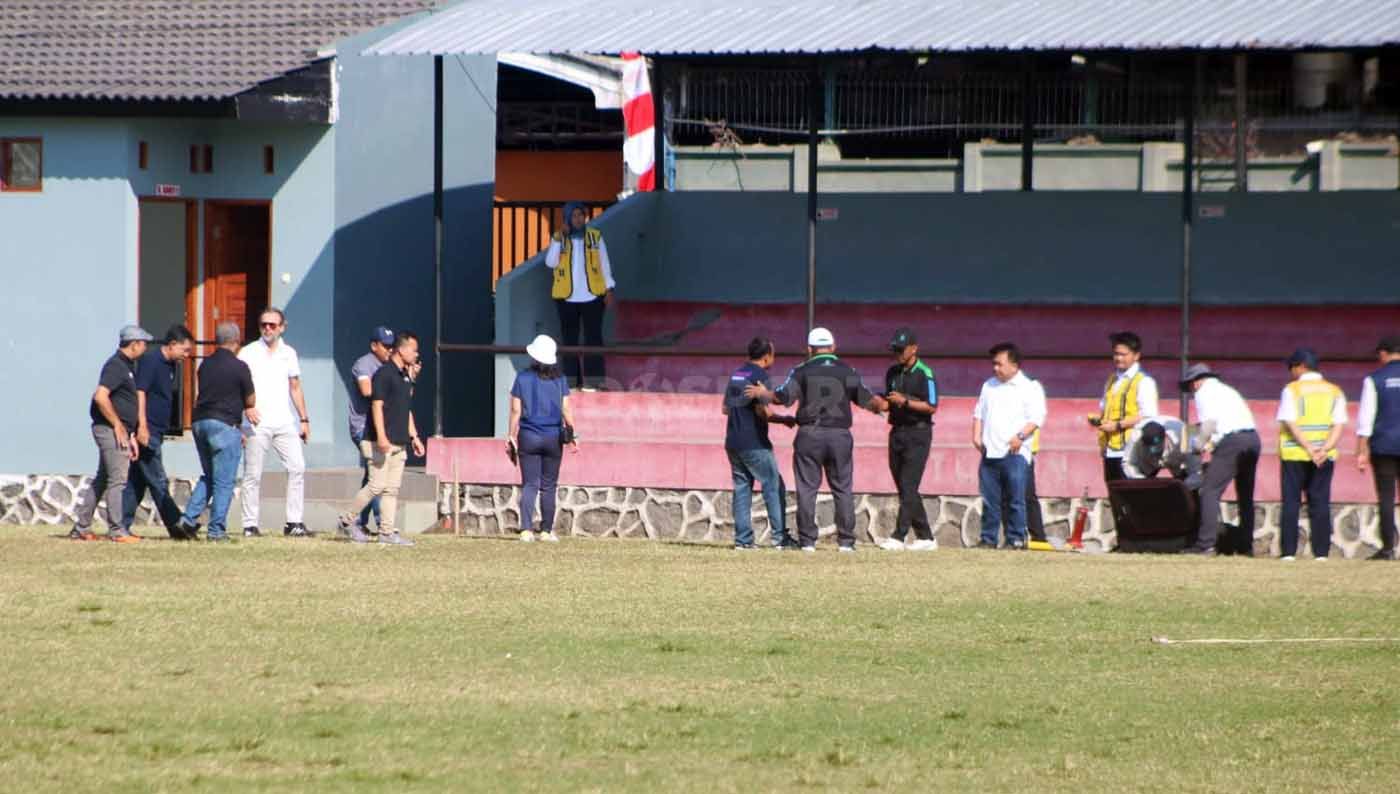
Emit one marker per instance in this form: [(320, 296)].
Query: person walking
[(1129, 395), (381, 345), (582, 289), (392, 431), (155, 394), (912, 395), (226, 398), (285, 424), (1233, 445), (1378, 437), (1009, 411), (1311, 415), (750, 451), (115, 415), (541, 424), (824, 388)]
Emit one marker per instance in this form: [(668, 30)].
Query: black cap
[(1153, 434), (1389, 344), (1305, 356), (903, 337)]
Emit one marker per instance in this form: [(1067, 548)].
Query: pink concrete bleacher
[(665, 429)]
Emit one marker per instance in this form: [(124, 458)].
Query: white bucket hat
[(544, 350)]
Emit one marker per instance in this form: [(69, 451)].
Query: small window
[(268, 160), (194, 159), (142, 153), (208, 159), (21, 164)]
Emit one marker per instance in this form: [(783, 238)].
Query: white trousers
[(286, 442)]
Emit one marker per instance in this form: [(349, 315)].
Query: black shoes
[(1198, 551), (1383, 554), (297, 530), (183, 531), (251, 532), (986, 544)]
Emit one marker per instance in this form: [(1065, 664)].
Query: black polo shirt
[(393, 386), (119, 376), (824, 388), (224, 385), (917, 383)]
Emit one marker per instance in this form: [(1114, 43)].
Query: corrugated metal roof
[(171, 49), (669, 27)]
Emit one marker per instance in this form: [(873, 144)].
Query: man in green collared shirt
[(913, 399)]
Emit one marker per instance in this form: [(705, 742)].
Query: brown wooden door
[(237, 264)]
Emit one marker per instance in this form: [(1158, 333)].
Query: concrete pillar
[(972, 168), (1156, 174)]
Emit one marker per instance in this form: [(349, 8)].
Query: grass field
[(484, 665)]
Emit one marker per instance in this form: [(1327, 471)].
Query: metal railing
[(521, 229)]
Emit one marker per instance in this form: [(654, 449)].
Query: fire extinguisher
[(1081, 519)]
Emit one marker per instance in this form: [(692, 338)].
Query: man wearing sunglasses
[(285, 425)]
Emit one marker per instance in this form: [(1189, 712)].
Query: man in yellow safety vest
[(1311, 414), (1129, 395)]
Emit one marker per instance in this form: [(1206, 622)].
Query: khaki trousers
[(385, 476)]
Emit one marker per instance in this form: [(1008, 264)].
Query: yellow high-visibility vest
[(592, 265), (1119, 403), (1316, 400)]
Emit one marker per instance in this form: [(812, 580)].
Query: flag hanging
[(639, 145)]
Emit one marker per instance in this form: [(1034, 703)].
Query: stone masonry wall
[(708, 517)]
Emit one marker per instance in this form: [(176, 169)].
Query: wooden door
[(237, 264)]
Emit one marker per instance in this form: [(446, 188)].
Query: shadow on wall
[(384, 275)]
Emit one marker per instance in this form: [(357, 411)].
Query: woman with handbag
[(541, 424)]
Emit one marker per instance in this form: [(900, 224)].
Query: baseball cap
[(382, 335), (1389, 344), (1153, 434), (820, 337), (1305, 356), (135, 333), (903, 337)]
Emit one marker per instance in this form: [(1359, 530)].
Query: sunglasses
[(269, 325)]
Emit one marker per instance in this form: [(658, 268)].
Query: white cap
[(820, 337), (544, 350)]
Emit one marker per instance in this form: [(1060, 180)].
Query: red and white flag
[(639, 146)]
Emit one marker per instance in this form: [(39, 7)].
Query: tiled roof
[(171, 49)]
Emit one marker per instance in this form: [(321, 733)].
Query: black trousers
[(909, 448), (1297, 477), (1385, 469), (1235, 459), (588, 318), (1113, 470), (814, 451), (1035, 522)]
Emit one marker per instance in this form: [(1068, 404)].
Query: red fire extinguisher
[(1081, 519)]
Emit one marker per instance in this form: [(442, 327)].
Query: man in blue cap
[(582, 289), (381, 344), (1378, 436), (1311, 414)]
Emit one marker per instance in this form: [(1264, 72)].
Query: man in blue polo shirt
[(155, 393), (750, 451)]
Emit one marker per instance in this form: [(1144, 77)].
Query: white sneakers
[(1287, 558), (549, 537), (890, 544), (526, 536)]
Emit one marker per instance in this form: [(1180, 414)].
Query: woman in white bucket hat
[(540, 423)]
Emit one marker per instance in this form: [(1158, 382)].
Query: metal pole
[(1028, 124), (814, 117), (1241, 123), (437, 245), (658, 113), (1188, 212)]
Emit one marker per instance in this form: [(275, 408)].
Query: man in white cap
[(824, 389), (115, 416), (1227, 424)]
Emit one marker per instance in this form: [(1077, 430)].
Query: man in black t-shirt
[(114, 414), (751, 453), (225, 396), (155, 392), (913, 399), (391, 428)]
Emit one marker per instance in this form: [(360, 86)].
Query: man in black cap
[(115, 417), (1378, 437), (913, 399), (1228, 425), (1311, 414), (824, 388)]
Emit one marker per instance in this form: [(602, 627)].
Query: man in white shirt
[(1378, 437), (1227, 424), (1129, 395), (1161, 442), (582, 289), (285, 425), (1010, 408)]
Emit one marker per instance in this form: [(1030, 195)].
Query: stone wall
[(52, 499), (707, 517)]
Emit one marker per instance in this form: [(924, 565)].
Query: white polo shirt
[(1222, 409), (1146, 401), (1005, 408), (273, 370)]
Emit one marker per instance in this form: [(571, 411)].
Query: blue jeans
[(148, 473), (541, 455), (1003, 478), (373, 507), (747, 466), (220, 447)]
